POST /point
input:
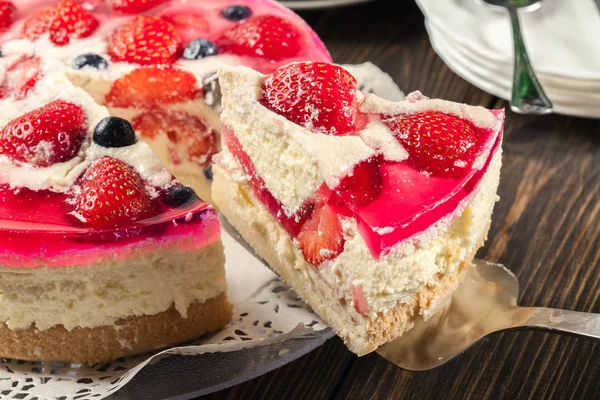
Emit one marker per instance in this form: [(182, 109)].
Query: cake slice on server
[(371, 210)]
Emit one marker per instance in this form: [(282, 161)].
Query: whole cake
[(371, 210), (153, 62), (104, 253)]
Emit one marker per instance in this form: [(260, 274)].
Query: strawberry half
[(146, 41), (133, 6), (7, 14), (139, 88), (358, 299), (62, 22), (266, 36), (45, 136), (21, 76), (320, 237), (111, 194), (442, 144), (317, 95), (182, 129)]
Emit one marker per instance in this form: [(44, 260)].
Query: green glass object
[(527, 96)]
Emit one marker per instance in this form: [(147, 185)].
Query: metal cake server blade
[(486, 302)]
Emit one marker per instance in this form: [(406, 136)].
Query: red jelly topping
[(35, 230), (391, 201)]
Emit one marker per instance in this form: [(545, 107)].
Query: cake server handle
[(527, 97), (568, 322)]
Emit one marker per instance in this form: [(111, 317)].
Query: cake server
[(486, 302), (527, 96)]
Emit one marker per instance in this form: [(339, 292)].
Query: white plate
[(485, 80)]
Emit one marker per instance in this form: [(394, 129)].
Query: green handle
[(528, 97)]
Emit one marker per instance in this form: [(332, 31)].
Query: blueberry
[(208, 173), (114, 132), (177, 196), (236, 13), (199, 48), (89, 60)]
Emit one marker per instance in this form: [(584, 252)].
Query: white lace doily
[(266, 310)]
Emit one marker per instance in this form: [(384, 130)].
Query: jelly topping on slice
[(363, 185), (319, 96), (45, 136)]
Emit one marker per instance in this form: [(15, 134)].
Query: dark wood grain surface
[(546, 229)]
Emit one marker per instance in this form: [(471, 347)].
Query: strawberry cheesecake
[(371, 210), (152, 62), (103, 253)]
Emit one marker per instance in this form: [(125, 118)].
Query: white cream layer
[(409, 266), (98, 295)]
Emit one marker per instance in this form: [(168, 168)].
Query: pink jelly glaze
[(312, 48), (410, 202), (36, 231)]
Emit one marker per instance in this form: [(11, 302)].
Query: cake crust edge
[(129, 336)]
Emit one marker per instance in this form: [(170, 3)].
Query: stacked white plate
[(562, 38)]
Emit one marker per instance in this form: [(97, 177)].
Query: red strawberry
[(45, 136), (188, 25), (133, 6), (317, 95), (140, 87), (7, 14), (182, 129), (363, 184), (441, 144), (21, 76), (63, 21), (112, 194), (145, 40), (266, 36), (320, 237), (358, 298)]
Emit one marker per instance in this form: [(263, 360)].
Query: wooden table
[(546, 229)]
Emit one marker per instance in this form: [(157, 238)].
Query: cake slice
[(371, 210), (103, 253)]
